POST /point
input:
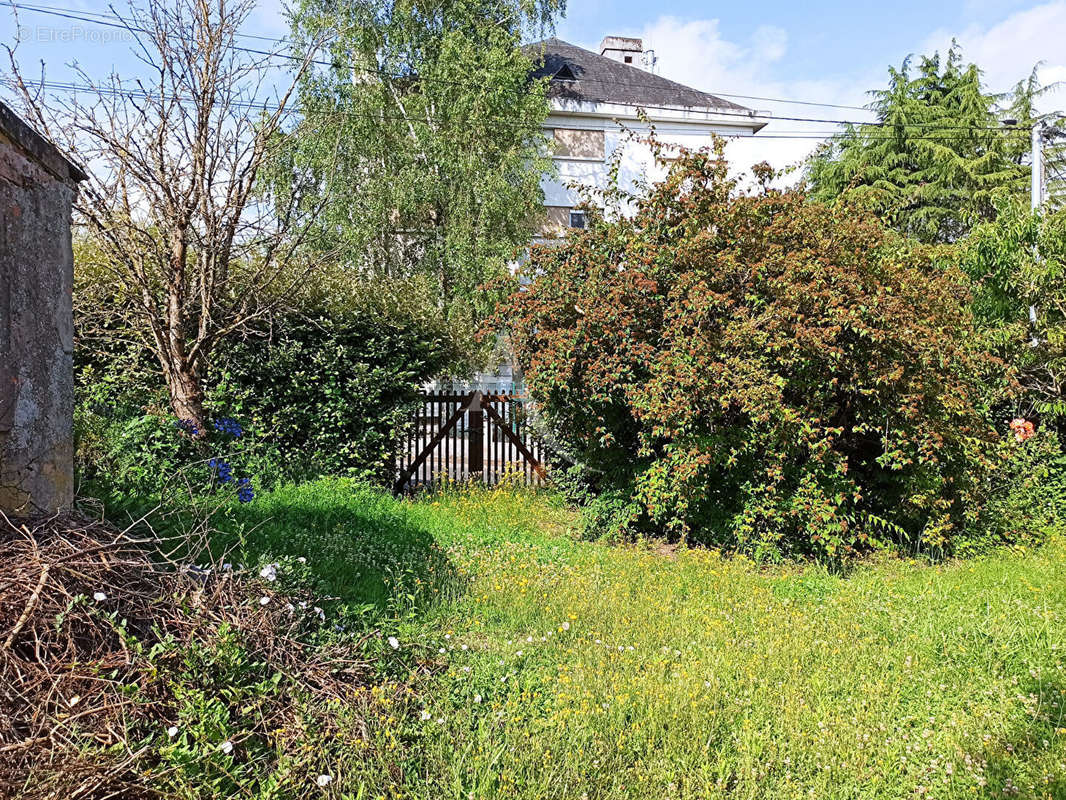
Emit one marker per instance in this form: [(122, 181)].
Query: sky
[(827, 51)]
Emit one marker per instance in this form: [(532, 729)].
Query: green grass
[(572, 669)]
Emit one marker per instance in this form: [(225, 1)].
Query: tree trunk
[(187, 396)]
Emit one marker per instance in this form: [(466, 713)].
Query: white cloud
[(1008, 50), (696, 53)]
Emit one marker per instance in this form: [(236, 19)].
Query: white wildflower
[(303, 560), (269, 572), (99, 597), (566, 626), (226, 747), (394, 643), (477, 698), (172, 731), (425, 715), (463, 647), (324, 780), (264, 600)]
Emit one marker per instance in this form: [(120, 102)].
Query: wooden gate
[(463, 437)]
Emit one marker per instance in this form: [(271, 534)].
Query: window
[(577, 219), (575, 143), (629, 59)]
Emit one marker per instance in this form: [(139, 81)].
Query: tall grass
[(534, 665)]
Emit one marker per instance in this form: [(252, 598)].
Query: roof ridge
[(617, 79)]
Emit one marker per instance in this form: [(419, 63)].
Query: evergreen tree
[(940, 150)]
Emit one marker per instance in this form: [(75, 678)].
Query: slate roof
[(598, 79)]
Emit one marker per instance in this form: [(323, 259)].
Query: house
[(597, 100), (37, 190)]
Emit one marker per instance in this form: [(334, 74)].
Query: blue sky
[(824, 37), (829, 51)]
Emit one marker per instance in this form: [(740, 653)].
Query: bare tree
[(173, 200)]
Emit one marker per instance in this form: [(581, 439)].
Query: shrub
[(321, 389), (760, 371), (328, 387)]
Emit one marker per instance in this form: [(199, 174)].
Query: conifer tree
[(940, 151)]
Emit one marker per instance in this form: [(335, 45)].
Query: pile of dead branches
[(81, 606)]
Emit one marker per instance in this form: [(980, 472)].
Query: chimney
[(623, 49)]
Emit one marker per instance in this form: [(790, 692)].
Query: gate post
[(475, 453)]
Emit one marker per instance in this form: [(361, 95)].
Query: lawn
[(530, 664)]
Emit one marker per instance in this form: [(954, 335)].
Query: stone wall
[(37, 189)]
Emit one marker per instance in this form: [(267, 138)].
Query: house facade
[(602, 105)]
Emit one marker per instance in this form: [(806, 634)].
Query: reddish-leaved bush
[(759, 370)]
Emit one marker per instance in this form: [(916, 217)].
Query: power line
[(102, 19), (251, 105)]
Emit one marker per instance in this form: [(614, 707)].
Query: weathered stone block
[(37, 189)]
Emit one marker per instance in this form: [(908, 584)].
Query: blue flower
[(244, 491), (230, 426), (187, 425), (223, 471)]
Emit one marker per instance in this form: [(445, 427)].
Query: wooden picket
[(469, 437)]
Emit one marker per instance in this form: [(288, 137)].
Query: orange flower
[(1022, 428)]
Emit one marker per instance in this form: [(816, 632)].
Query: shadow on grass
[(351, 546), (1026, 763), (362, 547)]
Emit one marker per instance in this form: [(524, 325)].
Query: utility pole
[(1036, 199), (1036, 193)]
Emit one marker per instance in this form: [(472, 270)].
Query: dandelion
[(324, 780), (394, 643), (269, 572), (172, 731), (226, 747), (99, 597)]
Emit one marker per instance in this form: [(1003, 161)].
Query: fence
[(462, 437)]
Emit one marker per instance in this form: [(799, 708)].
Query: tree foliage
[(1018, 267), (425, 134), (188, 244), (939, 152), (763, 371)]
